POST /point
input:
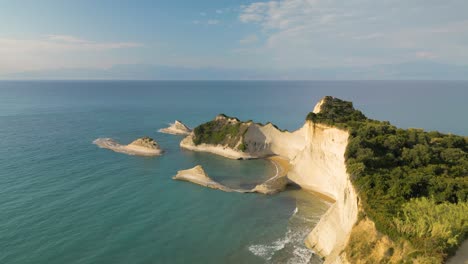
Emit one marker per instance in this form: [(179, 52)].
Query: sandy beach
[(282, 165)]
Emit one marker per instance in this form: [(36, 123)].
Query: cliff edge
[(400, 195), (316, 155)]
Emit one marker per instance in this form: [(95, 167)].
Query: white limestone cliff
[(317, 163)]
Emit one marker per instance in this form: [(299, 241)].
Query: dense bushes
[(223, 130), (335, 111), (390, 167), (433, 226)]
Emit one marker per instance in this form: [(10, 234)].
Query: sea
[(63, 200)]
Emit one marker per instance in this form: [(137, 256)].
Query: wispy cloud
[(208, 22), (425, 55), (250, 39), (212, 22), (360, 32), (59, 51)]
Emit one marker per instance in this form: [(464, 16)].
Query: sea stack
[(176, 128), (144, 146), (198, 176)]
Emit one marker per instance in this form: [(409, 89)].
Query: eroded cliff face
[(321, 167), (317, 163), (264, 140)]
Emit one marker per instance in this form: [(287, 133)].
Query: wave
[(288, 249)]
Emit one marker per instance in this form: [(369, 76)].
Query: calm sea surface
[(64, 200)]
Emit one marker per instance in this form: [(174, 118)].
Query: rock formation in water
[(271, 186), (222, 136), (144, 146), (317, 154), (198, 176), (176, 128)]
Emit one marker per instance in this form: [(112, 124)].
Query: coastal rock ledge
[(176, 128), (144, 146)]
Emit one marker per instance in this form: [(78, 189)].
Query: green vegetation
[(393, 169), (336, 111), (242, 147), (223, 130), (431, 225)]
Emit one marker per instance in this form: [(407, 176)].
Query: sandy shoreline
[(281, 164)]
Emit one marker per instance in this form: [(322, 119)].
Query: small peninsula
[(400, 195), (176, 128), (144, 146)]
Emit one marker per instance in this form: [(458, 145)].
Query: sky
[(226, 39)]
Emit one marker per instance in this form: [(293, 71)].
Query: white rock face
[(230, 153), (321, 167), (318, 106), (198, 176), (176, 128), (268, 140), (316, 153)]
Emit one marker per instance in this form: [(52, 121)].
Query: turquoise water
[(64, 200)]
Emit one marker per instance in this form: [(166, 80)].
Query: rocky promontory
[(368, 168)]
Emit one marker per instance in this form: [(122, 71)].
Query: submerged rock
[(176, 128)]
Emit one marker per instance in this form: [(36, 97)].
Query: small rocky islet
[(144, 146), (176, 128)]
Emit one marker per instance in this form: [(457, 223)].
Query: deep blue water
[(64, 200)]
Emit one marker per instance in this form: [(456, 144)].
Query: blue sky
[(207, 39)]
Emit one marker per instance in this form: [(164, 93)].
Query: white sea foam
[(290, 248), (301, 255), (267, 251), (295, 239), (295, 211)]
